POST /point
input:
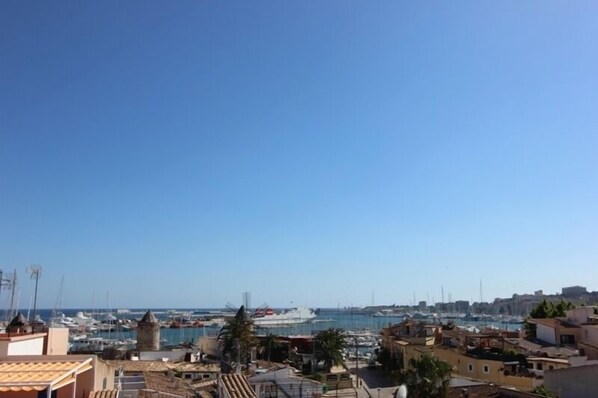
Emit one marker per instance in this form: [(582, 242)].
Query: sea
[(354, 322)]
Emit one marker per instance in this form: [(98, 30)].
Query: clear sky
[(177, 154)]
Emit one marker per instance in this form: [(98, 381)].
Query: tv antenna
[(10, 282), (35, 271)]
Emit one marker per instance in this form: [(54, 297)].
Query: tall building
[(573, 291)]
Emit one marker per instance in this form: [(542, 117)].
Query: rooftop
[(168, 384), (553, 322), (161, 366), (538, 347)]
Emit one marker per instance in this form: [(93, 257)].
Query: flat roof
[(21, 336), (544, 359), (552, 322)]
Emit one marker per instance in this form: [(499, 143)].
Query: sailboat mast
[(12, 297)]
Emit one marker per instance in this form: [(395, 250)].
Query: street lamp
[(357, 363)]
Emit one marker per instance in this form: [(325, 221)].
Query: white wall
[(58, 341), (579, 315), (27, 347), (546, 334), (172, 356), (209, 346), (589, 334)]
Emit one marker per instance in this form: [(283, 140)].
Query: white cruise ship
[(266, 317)]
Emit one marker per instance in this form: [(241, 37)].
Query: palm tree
[(269, 344), (329, 346), (428, 377), (237, 336)]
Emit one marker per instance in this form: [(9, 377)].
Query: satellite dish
[(402, 391)]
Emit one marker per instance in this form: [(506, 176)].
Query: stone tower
[(148, 333)]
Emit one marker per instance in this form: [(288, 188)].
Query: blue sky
[(312, 153)]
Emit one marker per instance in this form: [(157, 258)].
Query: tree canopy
[(329, 346), (548, 309), (236, 338), (428, 376)]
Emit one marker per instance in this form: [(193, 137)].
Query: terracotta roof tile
[(204, 383), (103, 394), (237, 386), (168, 384), (161, 366)]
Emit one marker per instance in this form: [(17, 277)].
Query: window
[(550, 367), (42, 394), (470, 367), (567, 339), (486, 369), (538, 366)]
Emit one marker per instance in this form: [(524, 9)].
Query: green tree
[(545, 309), (548, 309), (329, 346), (236, 337), (428, 377), (541, 310), (389, 362), (543, 391), (560, 309)]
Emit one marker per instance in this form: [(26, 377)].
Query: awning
[(39, 376)]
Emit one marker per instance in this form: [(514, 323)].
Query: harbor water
[(351, 322)]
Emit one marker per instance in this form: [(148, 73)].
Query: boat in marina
[(97, 344), (86, 322), (266, 317), (387, 313), (111, 323), (59, 320)]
